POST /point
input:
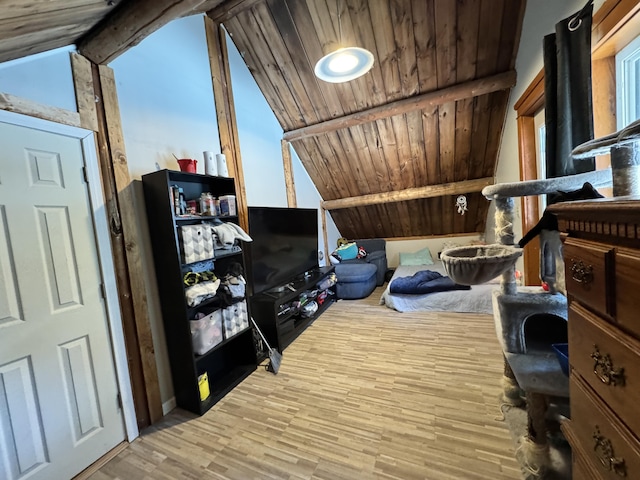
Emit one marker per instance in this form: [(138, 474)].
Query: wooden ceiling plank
[(40, 22), (445, 22), (128, 25), (384, 171), (307, 152), (424, 32), (473, 88), (418, 161), (386, 48), (275, 41), (364, 89), (510, 36), (324, 21), (221, 11), (428, 191), (19, 46), (360, 20), (241, 40), (360, 169), (402, 21), (257, 43), (334, 98), (467, 56), (405, 164), (294, 44), (491, 15), (18, 8), (432, 157)]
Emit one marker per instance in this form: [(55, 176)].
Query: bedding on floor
[(477, 299)]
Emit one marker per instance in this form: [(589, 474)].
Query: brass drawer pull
[(604, 370), (604, 452), (580, 272)]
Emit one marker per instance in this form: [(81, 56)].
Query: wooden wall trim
[(289, 180), (12, 103), (92, 114), (454, 188), (116, 172), (532, 100), (226, 113), (615, 24), (473, 88), (85, 94)]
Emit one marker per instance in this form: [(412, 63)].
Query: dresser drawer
[(588, 266), (608, 446), (608, 360), (627, 290)]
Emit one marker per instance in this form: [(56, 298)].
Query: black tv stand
[(276, 314)]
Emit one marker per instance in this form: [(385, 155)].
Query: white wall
[(44, 78)]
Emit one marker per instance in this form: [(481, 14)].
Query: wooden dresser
[(602, 268)]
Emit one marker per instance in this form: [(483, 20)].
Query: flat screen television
[(285, 245)]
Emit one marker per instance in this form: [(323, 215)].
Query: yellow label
[(203, 385)]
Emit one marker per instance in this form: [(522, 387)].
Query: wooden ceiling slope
[(430, 112), (421, 48)]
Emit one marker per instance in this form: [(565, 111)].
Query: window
[(628, 84)]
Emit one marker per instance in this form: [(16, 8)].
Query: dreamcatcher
[(461, 204)]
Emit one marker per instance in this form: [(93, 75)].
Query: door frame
[(105, 254)]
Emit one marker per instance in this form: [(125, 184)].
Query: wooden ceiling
[(430, 112)]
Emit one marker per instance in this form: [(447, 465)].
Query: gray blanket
[(476, 300)]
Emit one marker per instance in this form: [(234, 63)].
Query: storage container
[(228, 205), (206, 332), (235, 318), (196, 243)]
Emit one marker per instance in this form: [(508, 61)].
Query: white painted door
[(58, 390)]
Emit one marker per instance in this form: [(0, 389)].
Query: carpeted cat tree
[(534, 374)]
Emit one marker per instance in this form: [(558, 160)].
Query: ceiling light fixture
[(343, 64)]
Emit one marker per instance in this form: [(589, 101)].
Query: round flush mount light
[(344, 64)]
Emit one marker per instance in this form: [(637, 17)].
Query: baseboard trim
[(101, 462), (169, 405)]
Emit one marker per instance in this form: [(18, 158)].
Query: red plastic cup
[(187, 165)]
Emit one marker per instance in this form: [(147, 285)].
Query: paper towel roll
[(222, 165), (210, 164)]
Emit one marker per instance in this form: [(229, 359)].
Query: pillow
[(421, 257), (348, 251)]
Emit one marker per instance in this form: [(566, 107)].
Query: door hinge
[(103, 291), (119, 400), (85, 174)]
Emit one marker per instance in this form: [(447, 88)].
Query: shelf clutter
[(199, 265)]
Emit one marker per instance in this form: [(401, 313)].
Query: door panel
[(58, 389)]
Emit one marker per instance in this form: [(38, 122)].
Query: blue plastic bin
[(562, 352)]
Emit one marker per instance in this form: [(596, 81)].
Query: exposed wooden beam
[(289, 180), (85, 93), (454, 188), (129, 24), (11, 103), (117, 172), (230, 9), (226, 112), (473, 88)]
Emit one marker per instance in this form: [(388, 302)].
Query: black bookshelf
[(232, 360)]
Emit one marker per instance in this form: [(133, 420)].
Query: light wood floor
[(363, 393)]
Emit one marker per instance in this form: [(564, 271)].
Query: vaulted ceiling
[(388, 152)]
